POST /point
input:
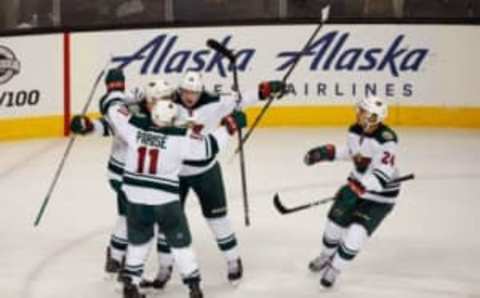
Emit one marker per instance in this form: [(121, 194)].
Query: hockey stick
[(284, 210), (213, 44), (324, 18), (71, 141)]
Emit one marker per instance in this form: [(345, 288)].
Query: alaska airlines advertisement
[(408, 65)]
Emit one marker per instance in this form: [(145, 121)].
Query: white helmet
[(374, 106), (192, 81), (163, 113), (158, 90)]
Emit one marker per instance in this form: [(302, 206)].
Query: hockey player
[(367, 198), (206, 112), (83, 125), (154, 158)]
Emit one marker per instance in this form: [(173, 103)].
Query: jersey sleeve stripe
[(115, 168), (387, 194), (106, 127), (213, 145), (382, 174), (116, 162), (212, 149), (107, 102), (380, 179), (207, 147)]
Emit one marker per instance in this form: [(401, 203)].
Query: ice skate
[(130, 290), (195, 291), (112, 266), (329, 276), (319, 263), (163, 276), (235, 271)]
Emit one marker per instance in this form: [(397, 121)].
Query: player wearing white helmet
[(154, 157), (206, 112), (369, 195)]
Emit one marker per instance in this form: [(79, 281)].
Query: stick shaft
[(71, 141), (285, 210), (285, 77), (243, 175)]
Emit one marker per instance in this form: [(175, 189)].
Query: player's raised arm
[(265, 90), (201, 147), (112, 104)]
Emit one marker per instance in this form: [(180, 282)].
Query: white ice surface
[(429, 247)]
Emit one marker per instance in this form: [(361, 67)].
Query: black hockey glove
[(235, 121), (81, 125), (275, 89), (322, 153)]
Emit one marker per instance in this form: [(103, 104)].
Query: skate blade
[(235, 283), (149, 291), (110, 276), (118, 287)]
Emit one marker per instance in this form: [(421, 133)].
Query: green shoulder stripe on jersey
[(146, 124), (383, 134), (140, 122), (356, 129), (205, 99), (173, 131)]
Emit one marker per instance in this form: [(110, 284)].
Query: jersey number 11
[(153, 158)]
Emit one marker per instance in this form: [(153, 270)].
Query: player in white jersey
[(83, 125), (367, 198), (206, 112), (156, 151)]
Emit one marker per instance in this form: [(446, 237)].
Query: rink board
[(428, 79)]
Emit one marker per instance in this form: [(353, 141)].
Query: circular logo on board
[(9, 65)]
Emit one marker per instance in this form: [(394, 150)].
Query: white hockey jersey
[(155, 155), (207, 115), (116, 161), (374, 158)]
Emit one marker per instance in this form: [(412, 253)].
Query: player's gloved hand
[(81, 125), (356, 187), (235, 121), (322, 153), (275, 89)]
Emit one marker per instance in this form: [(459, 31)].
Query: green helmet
[(115, 79)]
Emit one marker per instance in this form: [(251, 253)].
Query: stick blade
[(278, 205), (216, 46)]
